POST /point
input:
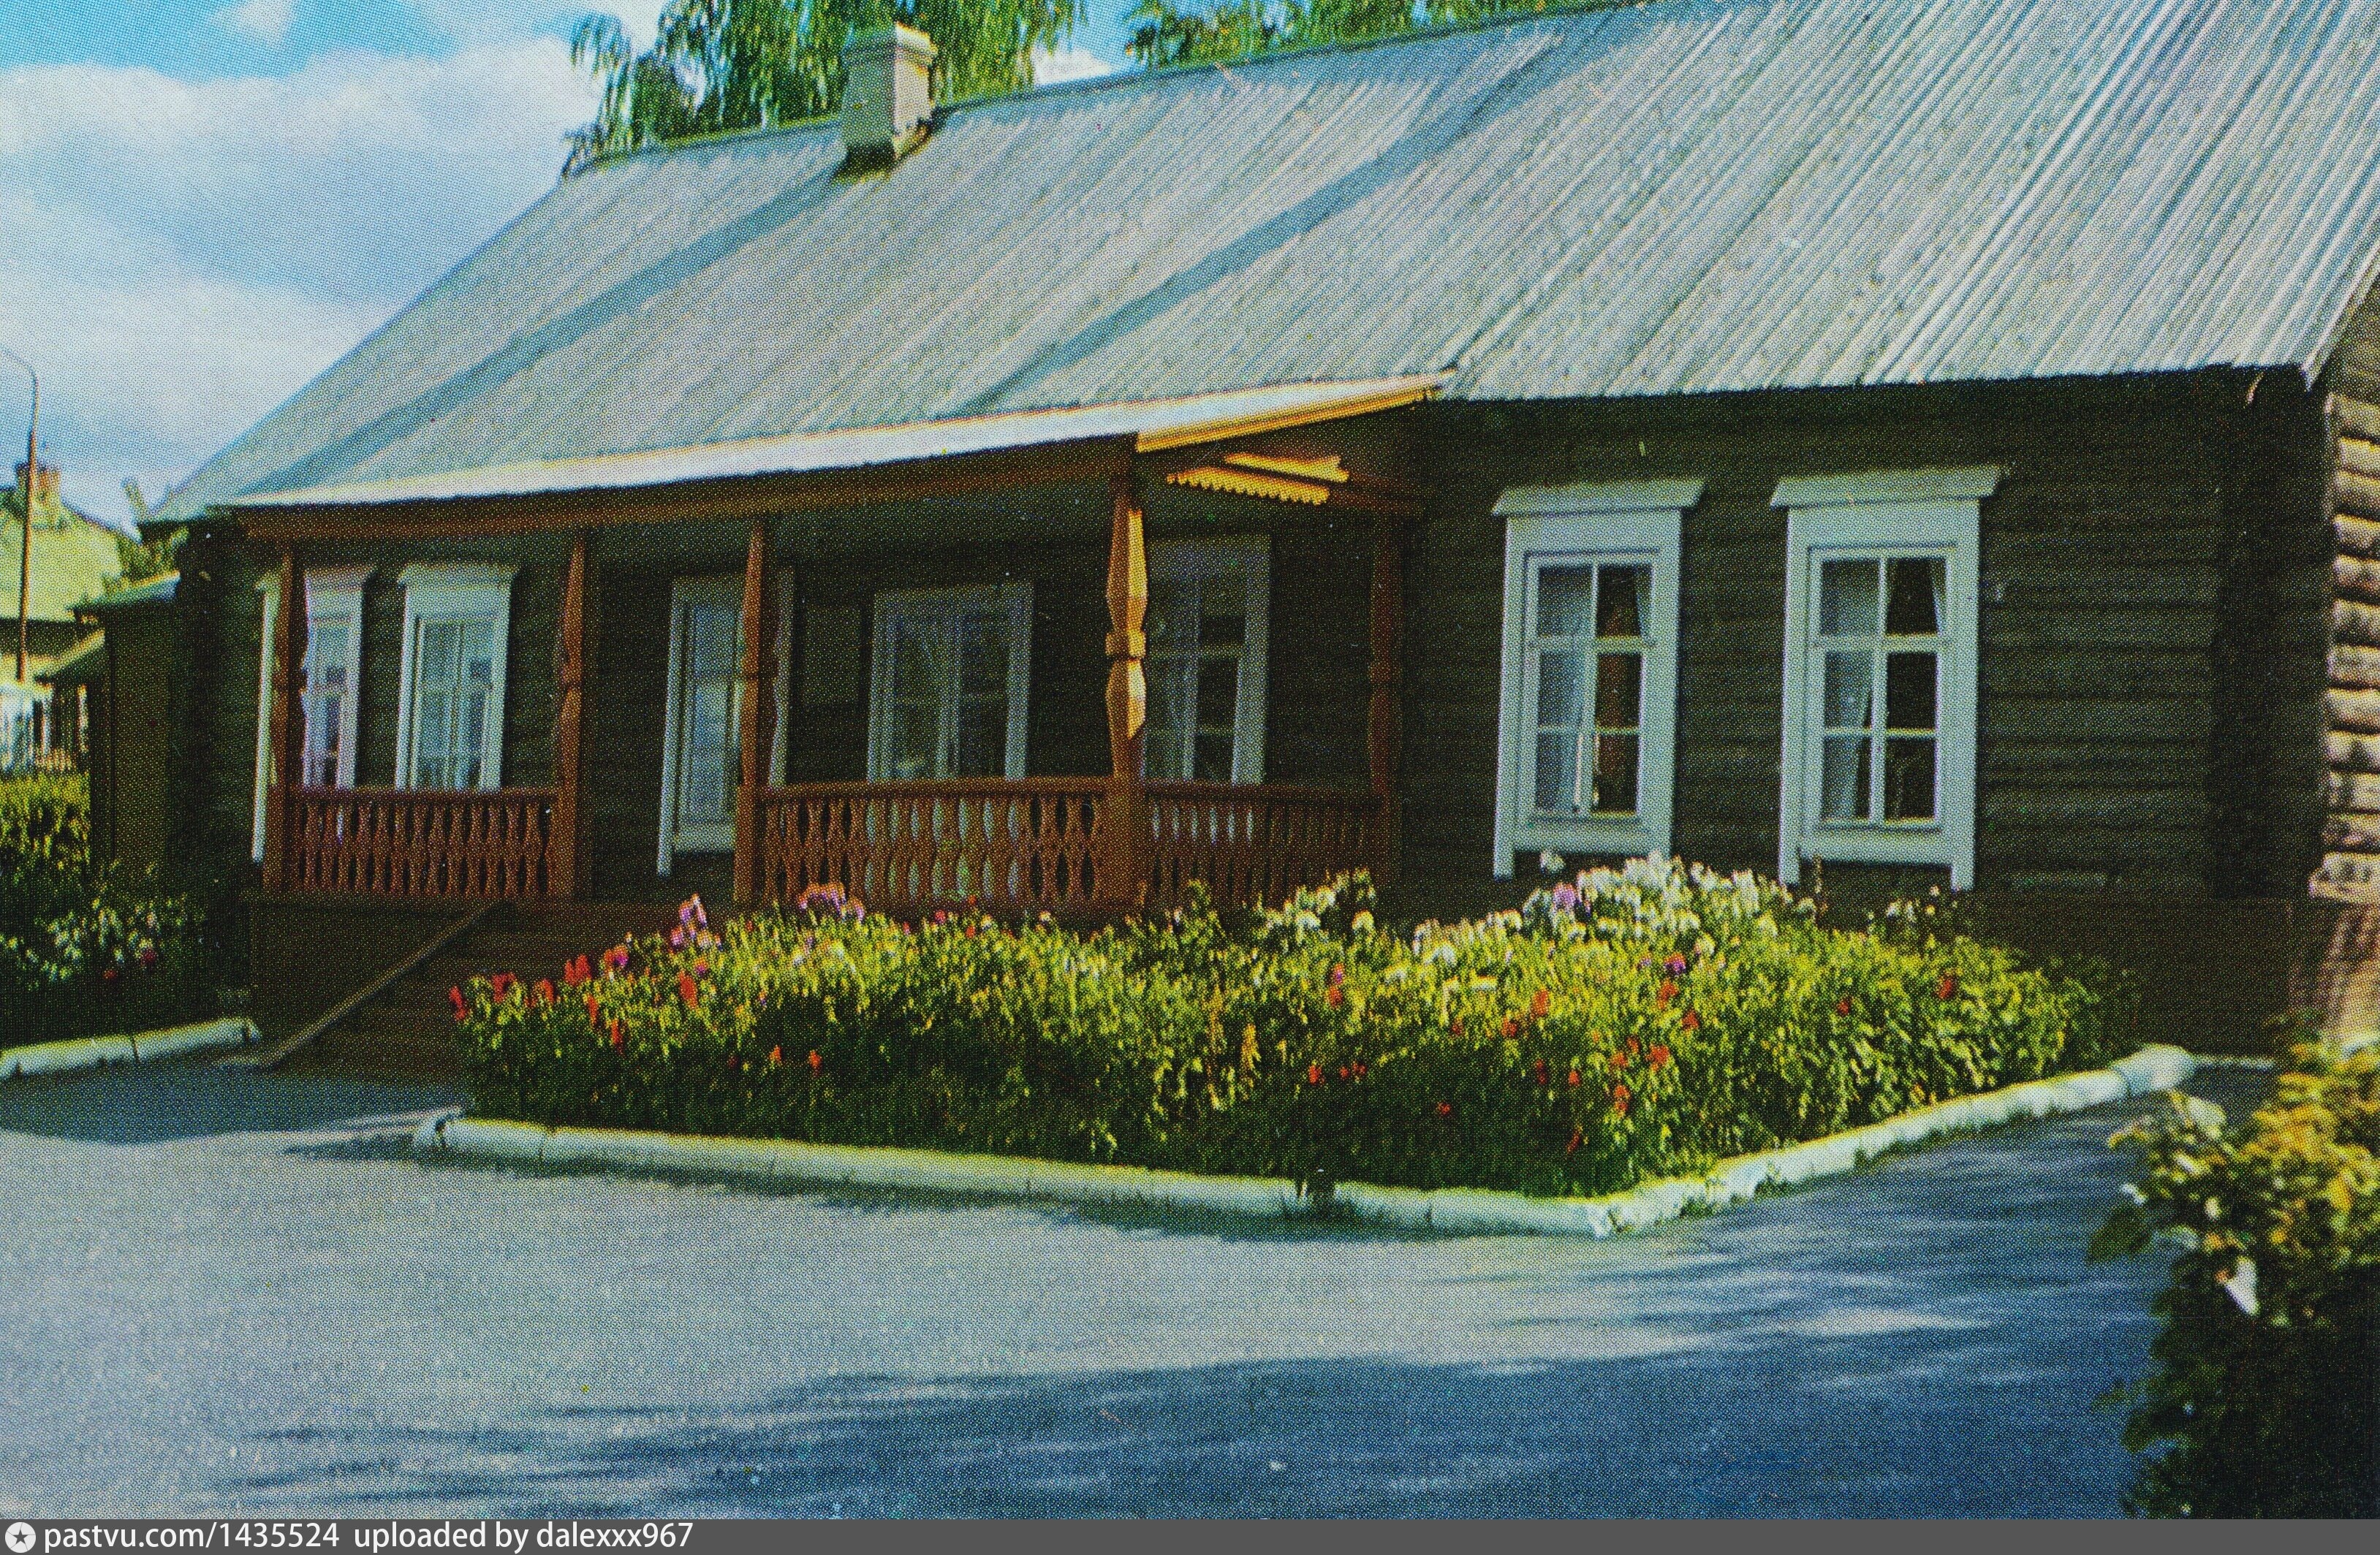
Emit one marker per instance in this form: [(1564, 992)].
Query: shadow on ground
[(146, 1104)]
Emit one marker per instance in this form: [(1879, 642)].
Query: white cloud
[(267, 21), (1074, 62), (184, 256)]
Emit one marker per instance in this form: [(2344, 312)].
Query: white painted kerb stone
[(140, 1047)]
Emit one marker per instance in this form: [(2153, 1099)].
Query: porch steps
[(406, 1032)]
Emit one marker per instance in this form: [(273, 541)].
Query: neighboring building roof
[(1680, 197), (82, 667), (150, 591), (74, 556)]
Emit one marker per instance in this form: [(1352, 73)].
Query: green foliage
[(725, 64), (1632, 1024), (2262, 1390), (1163, 34), (84, 949)]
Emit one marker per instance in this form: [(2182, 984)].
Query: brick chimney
[(888, 101), (45, 485)]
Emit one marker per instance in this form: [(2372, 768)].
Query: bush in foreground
[(2261, 1401), (83, 947), (1631, 1024)]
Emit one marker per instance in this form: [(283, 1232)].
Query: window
[(450, 714), (1208, 601), (335, 619), (1586, 747), (1881, 586), (948, 682), (702, 756)]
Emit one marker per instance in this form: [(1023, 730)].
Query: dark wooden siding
[(2150, 660)]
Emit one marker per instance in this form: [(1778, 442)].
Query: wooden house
[(1937, 443)]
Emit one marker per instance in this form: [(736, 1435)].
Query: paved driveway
[(240, 1293)]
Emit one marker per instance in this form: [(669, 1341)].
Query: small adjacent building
[(1923, 445), (74, 557)]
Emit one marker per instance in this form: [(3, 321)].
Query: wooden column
[(286, 749), (754, 734), (565, 871), (1384, 722), (1124, 864)]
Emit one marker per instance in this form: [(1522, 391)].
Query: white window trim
[(1016, 598), (267, 590), (1605, 521), (456, 589), (338, 591), (1247, 558), (730, 584), (1879, 513)]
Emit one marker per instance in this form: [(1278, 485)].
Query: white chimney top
[(888, 100)]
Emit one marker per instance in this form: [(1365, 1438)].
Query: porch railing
[(415, 842), (1256, 843), (1031, 843)]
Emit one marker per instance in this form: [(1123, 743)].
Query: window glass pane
[(1556, 757), (1562, 686), (1171, 602), (1843, 784), (1218, 691), (711, 648), (1847, 599), (704, 784), (1214, 763), (471, 737), (1563, 594), (1914, 607), (478, 650), (1619, 691), (1908, 779), (437, 668), (1625, 602), (1850, 688), (983, 652), (326, 651), (1908, 683), (1170, 719), (1224, 622), (1615, 774), (917, 738), (983, 737)]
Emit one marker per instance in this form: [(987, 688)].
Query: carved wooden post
[(565, 872), (1124, 865), (286, 749), (1384, 723), (753, 733)]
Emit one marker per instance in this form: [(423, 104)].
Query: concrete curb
[(1460, 1210), (137, 1047)]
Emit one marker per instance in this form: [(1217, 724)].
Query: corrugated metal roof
[(1679, 197)]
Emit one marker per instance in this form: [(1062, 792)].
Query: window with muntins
[(450, 731), (1206, 626), (1589, 697), (949, 684), (1881, 605), (335, 599)]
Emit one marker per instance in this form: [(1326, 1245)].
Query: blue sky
[(204, 202)]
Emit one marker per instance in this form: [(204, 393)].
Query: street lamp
[(25, 556)]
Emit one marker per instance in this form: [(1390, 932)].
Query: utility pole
[(25, 554)]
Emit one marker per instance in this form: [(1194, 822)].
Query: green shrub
[(2261, 1395), (1635, 1024), (84, 947)]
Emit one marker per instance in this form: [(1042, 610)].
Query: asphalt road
[(231, 1293)]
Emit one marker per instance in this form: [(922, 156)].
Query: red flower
[(817, 1062), (1314, 1074), (1693, 1022), (1540, 1071), (455, 997), (776, 1057), (618, 1040), (545, 990), (1949, 987), (1619, 1061), (1538, 1006), (1659, 1057), (1511, 1026), (1635, 1047), (1574, 1076), (109, 975), (594, 1011), (1446, 1109), (502, 983), (147, 956), (1457, 1027), (1620, 1100), (1577, 1138), (1334, 997), (688, 990), (575, 972), (1337, 975), (1664, 994), (1843, 1006), (1342, 1071), (1359, 1071)]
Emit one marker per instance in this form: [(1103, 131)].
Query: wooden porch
[(1087, 846)]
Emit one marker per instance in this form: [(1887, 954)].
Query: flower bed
[(84, 949), (1632, 1024), (2261, 1403)]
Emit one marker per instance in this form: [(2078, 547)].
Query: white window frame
[(1601, 523), (1016, 599), (332, 592), (714, 837), (1884, 513), (1248, 560), (441, 589), (268, 591)]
